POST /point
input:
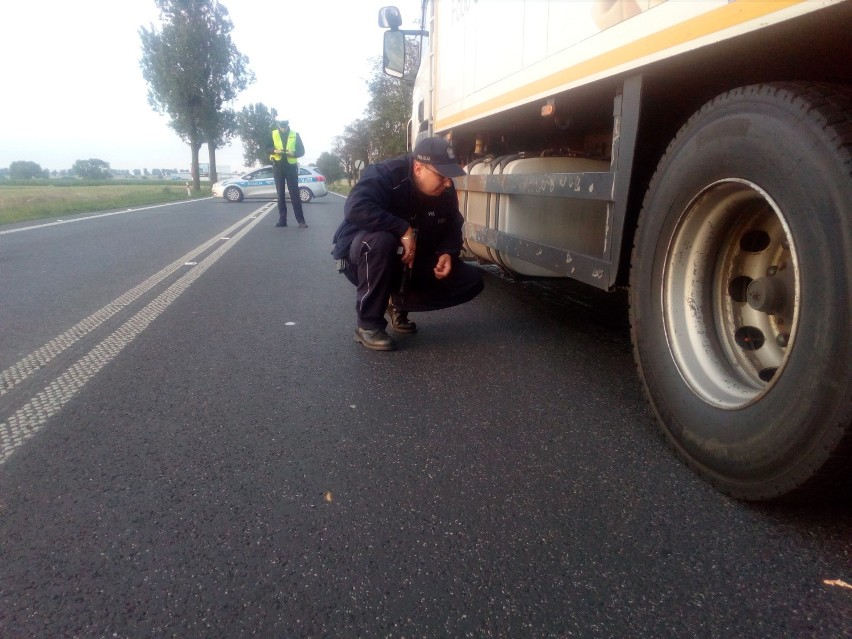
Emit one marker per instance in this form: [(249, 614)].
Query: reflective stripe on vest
[(279, 146)]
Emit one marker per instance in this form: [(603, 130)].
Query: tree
[(92, 169), (25, 170), (218, 132), (342, 152), (382, 132), (355, 144), (329, 166), (193, 69), (389, 108), (254, 124)]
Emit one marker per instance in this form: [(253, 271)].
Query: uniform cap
[(437, 153)]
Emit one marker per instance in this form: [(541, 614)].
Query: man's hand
[(444, 266), (409, 244)]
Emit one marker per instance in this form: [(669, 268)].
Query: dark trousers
[(376, 270), (290, 177)]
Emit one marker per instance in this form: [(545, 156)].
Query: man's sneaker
[(302, 225), (375, 340), (400, 322), (281, 224)]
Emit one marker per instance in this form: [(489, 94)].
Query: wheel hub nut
[(766, 294)]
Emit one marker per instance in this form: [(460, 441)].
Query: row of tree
[(378, 135), (381, 133), (194, 73), (92, 169)]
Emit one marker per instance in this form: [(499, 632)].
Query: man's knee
[(378, 244)]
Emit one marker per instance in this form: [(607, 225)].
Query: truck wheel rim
[(730, 295)]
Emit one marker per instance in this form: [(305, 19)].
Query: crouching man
[(400, 240)]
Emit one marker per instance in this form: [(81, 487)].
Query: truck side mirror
[(390, 18), (393, 55)]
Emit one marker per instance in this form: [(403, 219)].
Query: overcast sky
[(73, 88)]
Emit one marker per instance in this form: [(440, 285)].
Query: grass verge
[(21, 202), (341, 186)]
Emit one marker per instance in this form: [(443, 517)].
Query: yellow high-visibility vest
[(280, 147)]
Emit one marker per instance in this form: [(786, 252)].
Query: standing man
[(400, 240), (284, 150)]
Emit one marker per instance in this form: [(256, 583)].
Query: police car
[(261, 184)]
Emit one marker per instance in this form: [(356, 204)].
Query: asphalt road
[(193, 445)]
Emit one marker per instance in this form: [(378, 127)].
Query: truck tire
[(740, 292)]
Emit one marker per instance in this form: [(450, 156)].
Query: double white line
[(30, 418)]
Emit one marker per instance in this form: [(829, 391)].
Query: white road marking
[(29, 419), (34, 361)]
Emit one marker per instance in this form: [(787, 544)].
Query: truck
[(697, 154)]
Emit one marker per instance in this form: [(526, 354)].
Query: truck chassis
[(727, 213)]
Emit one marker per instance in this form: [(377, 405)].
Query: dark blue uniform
[(378, 212)]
